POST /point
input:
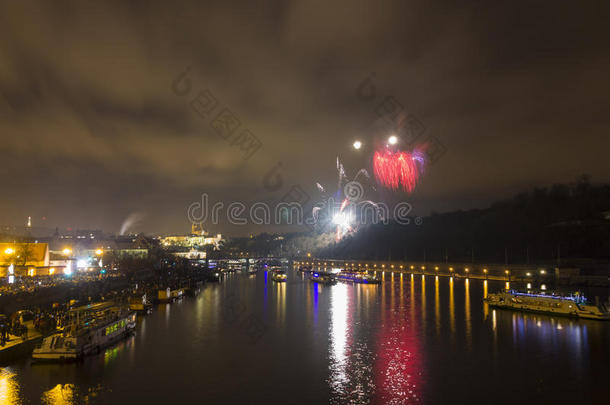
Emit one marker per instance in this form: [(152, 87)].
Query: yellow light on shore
[(506, 271), (67, 251), (9, 251), (542, 271), (99, 252), (485, 271)]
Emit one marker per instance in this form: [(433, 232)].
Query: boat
[(164, 295), (278, 276), (574, 305), (323, 278), (176, 294), (357, 277), (90, 329), (139, 303), (305, 269)]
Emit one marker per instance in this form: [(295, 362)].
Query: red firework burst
[(395, 169)]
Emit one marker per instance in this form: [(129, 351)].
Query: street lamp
[(357, 145), (99, 252), (393, 140), (67, 251)]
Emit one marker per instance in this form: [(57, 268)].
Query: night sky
[(92, 130)]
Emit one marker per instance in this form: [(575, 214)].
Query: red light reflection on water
[(398, 361)]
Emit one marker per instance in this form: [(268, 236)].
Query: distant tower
[(196, 229), (29, 222)]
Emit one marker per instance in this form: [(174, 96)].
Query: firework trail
[(395, 169), (350, 193)]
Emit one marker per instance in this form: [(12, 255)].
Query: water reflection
[(59, 395), (437, 307), (360, 343), (281, 303), (467, 313), (9, 388), (451, 308), (338, 338), (398, 364)]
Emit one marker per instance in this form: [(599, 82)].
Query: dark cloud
[(91, 130)]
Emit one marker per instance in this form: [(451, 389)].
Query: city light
[(99, 252), (393, 140), (357, 145), (9, 251), (67, 251)]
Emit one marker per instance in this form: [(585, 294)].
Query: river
[(412, 339)]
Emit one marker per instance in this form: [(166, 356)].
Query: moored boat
[(323, 278), (357, 277), (90, 328), (139, 303), (573, 305), (164, 295), (278, 276)]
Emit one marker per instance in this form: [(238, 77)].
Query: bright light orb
[(393, 140), (357, 145)]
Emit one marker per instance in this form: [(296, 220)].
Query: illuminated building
[(31, 259)]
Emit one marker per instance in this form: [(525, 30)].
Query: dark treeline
[(565, 224), (562, 223)]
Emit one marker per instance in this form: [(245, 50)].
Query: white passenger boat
[(574, 305), (90, 329)]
